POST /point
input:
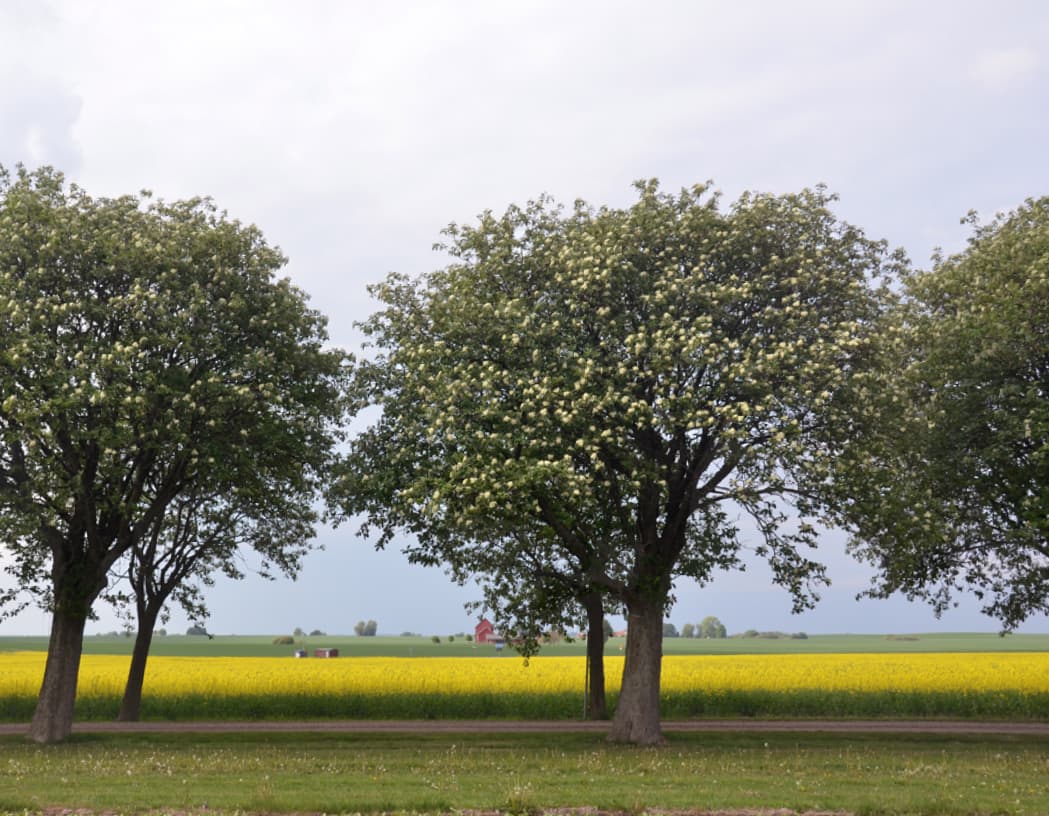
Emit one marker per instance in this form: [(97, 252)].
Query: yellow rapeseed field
[(986, 684), (940, 672)]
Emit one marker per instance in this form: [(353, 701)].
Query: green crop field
[(350, 645)]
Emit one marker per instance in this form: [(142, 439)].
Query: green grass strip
[(525, 773)]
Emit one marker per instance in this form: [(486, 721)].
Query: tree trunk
[(131, 704), (637, 712), (53, 717), (595, 656)]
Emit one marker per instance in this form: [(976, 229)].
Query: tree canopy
[(146, 351), (951, 492), (711, 627), (610, 389)]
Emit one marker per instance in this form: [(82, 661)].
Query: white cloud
[(37, 106), (1007, 68)]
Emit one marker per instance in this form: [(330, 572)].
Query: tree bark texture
[(53, 717), (131, 703), (637, 713), (595, 656)]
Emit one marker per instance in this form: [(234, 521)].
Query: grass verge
[(525, 773), (694, 704)]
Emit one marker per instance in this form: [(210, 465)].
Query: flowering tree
[(963, 414), (147, 352), (606, 390)]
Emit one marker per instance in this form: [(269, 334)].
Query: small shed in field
[(325, 652)]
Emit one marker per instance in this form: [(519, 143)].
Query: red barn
[(484, 632)]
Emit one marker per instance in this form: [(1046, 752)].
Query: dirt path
[(532, 726)]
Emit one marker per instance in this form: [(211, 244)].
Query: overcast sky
[(352, 132)]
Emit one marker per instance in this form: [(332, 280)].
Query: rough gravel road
[(532, 726)]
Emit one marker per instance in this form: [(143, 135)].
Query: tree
[(200, 537), (365, 628), (530, 581), (688, 631), (952, 492), (608, 387), (527, 589), (147, 353), (711, 627), (669, 630)]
